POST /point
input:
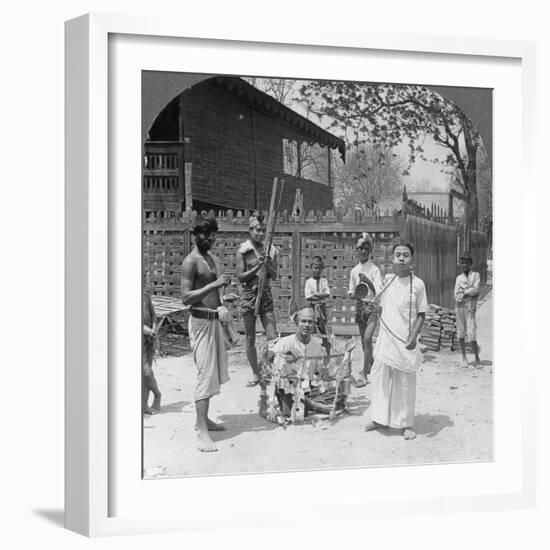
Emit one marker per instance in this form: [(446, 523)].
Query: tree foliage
[(279, 88), (386, 115), (485, 185), (370, 175)]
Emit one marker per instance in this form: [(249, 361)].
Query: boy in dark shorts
[(366, 315), (250, 258), (316, 292)]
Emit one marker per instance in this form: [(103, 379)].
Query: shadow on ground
[(430, 425), (358, 405), (237, 424), (173, 407), (57, 517)]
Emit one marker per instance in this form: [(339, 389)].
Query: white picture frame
[(95, 298)]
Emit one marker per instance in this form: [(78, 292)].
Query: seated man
[(296, 358)]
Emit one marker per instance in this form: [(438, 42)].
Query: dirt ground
[(454, 421)]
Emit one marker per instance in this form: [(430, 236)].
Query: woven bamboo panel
[(163, 254), (168, 240), (339, 254)]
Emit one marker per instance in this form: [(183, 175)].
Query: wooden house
[(220, 143)]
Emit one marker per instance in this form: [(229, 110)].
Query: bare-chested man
[(251, 257), (201, 288)]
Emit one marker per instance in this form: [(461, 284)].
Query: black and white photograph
[(290, 215), (316, 274)]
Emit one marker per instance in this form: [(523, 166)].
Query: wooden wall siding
[(236, 152), (168, 241), (435, 257)]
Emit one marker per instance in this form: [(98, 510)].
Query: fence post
[(404, 233), (296, 269)]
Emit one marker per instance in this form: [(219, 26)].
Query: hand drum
[(364, 288)]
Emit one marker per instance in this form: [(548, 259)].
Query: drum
[(364, 288)]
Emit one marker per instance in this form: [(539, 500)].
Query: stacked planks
[(448, 329), (431, 331)]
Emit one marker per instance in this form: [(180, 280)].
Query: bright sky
[(420, 170)]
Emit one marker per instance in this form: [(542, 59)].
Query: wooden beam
[(188, 187), (296, 265)]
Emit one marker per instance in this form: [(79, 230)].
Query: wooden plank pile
[(431, 331), (448, 329), (439, 330)]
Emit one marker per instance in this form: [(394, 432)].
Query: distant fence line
[(332, 235), (409, 207)]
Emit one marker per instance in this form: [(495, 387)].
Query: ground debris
[(156, 471)]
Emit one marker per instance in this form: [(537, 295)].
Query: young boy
[(466, 294), (397, 357), (148, 381), (366, 315), (317, 292)]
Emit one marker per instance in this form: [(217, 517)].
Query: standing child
[(366, 315), (396, 355), (317, 292), (466, 294), (148, 381)]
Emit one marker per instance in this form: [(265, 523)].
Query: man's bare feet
[(149, 410), (478, 364), (362, 381), (372, 425), (156, 404), (409, 433), (212, 426), (204, 443)]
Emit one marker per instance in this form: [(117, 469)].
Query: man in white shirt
[(299, 356), (366, 315), (397, 356), (466, 293)]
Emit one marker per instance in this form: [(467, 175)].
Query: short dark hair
[(205, 225), (402, 242), (317, 260), (466, 256)]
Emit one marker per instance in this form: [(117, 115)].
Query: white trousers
[(393, 396)]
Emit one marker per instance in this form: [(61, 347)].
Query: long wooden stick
[(262, 275), (341, 373)]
